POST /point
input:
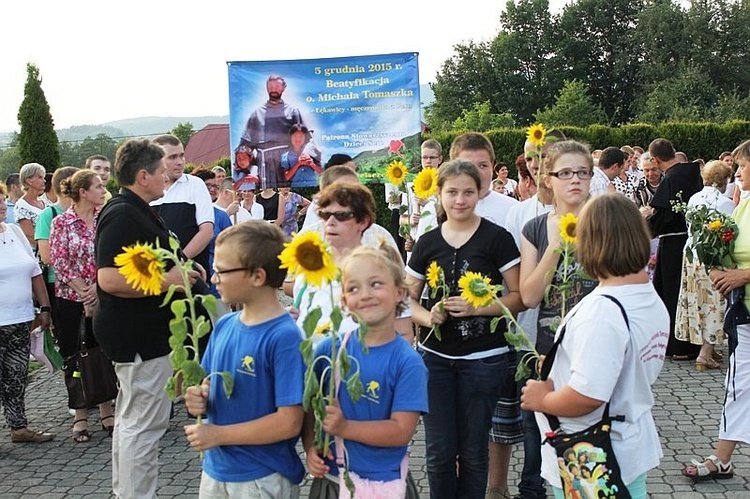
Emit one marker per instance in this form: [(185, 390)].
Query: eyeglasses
[(341, 216), (568, 174), (219, 273), (429, 158), (212, 186)]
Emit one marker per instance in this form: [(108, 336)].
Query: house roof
[(208, 144)]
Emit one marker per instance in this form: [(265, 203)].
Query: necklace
[(2, 234)]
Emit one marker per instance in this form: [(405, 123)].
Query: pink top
[(71, 244)]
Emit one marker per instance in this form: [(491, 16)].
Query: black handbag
[(89, 375), (586, 461)]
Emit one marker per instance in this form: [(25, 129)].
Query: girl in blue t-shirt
[(377, 429)]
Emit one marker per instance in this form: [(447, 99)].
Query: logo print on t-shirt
[(248, 365), (373, 392)]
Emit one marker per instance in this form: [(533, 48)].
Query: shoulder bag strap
[(554, 422)]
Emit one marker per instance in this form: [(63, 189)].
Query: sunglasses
[(341, 216)]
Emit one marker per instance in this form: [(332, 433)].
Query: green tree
[(463, 80), (183, 131), (37, 140), (480, 118), (731, 106), (598, 46), (573, 107), (10, 162), (524, 58), (664, 45), (687, 96)]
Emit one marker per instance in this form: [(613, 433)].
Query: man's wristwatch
[(45, 308)]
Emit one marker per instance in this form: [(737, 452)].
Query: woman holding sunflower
[(549, 267), (346, 210), (466, 361), (548, 264)]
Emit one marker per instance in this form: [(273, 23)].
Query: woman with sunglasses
[(566, 177), (346, 211)]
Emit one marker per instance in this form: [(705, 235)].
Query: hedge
[(697, 140)]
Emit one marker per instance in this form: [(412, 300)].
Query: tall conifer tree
[(37, 140)]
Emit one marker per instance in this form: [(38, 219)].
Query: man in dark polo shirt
[(133, 329)]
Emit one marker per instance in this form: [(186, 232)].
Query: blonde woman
[(27, 209), (700, 307)]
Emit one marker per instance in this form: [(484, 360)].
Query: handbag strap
[(82, 334), (554, 422)]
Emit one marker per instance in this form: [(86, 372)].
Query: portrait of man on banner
[(267, 139)]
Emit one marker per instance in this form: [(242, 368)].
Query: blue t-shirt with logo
[(268, 372), (395, 380)]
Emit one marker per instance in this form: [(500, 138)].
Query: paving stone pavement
[(687, 411)]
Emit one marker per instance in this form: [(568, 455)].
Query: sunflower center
[(309, 256), (538, 134), (570, 230), (142, 263)]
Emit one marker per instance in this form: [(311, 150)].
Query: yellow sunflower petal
[(396, 173), (476, 289), (308, 255), (568, 225), (425, 183), (537, 135), (715, 225), (433, 275), (142, 268)]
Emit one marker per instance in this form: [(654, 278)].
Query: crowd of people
[(569, 242)]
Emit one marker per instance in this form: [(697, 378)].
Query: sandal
[(717, 356), (81, 436), (699, 472), (679, 357), (108, 429), (703, 363)]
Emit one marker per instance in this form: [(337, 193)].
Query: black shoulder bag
[(585, 458), (89, 375)]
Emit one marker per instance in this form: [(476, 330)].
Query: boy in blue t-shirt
[(249, 438)]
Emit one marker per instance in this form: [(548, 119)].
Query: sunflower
[(307, 254), (142, 267), (425, 183), (715, 225), (396, 173), (568, 228), (476, 289), (323, 329), (537, 135), (433, 275)]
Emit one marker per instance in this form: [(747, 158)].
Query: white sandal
[(698, 471)]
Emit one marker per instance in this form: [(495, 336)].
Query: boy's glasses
[(568, 174), (219, 273), (341, 216)]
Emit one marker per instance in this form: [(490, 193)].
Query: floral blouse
[(71, 244), (25, 211)]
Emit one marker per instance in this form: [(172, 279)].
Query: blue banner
[(288, 118)]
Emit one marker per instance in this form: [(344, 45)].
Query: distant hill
[(136, 127), (155, 125)]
